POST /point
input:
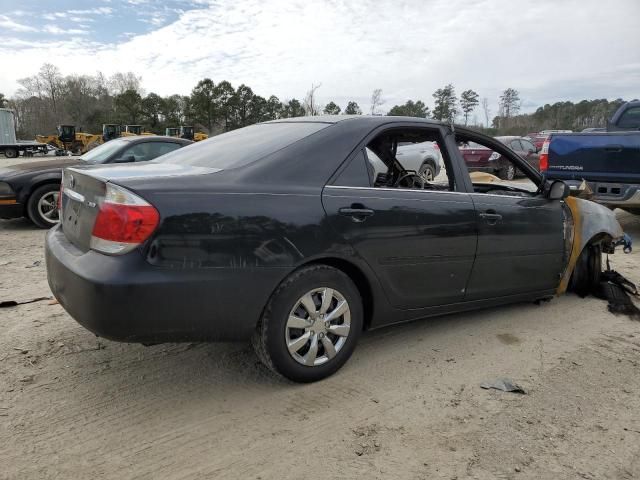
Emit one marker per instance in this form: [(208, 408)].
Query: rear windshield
[(240, 147)]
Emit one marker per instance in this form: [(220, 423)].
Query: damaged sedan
[(301, 233)]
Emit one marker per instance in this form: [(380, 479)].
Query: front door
[(520, 245), (520, 237)]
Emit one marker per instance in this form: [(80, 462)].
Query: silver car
[(423, 157)]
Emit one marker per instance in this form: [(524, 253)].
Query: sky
[(547, 50)]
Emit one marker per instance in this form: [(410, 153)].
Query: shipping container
[(7, 127)]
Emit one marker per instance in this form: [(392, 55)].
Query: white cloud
[(7, 23), (568, 49), (54, 30), (92, 11)]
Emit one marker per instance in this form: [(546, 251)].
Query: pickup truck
[(608, 162)]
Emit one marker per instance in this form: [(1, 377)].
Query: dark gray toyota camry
[(301, 233)]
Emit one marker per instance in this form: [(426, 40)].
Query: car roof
[(154, 138), (370, 119)]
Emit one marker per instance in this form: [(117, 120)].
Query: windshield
[(103, 152), (241, 147)]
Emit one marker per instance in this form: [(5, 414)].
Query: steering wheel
[(414, 176)]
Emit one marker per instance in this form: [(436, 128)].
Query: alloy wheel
[(48, 207), (318, 326)]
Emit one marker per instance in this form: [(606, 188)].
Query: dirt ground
[(407, 405)]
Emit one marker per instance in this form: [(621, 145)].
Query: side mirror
[(127, 159), (558, 190)]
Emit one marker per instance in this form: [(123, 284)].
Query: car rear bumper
[(11, 209), (124, 298)]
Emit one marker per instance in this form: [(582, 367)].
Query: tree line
[(48, 99), (472, 110)]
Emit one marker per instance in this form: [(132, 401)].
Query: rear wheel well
[(358, 278), (429, 161)]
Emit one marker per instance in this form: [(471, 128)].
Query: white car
[(423, 157)]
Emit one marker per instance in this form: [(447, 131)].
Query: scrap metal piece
[(505, 385)]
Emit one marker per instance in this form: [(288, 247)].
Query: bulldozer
[(130, 130), (68, 139), (172, 132), (187, 132), (111, 131)]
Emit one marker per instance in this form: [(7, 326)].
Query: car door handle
[(357, 214), (491, 216)]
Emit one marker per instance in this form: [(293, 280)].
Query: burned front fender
[(586, 222)]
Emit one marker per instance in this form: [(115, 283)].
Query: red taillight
[(123, 222), (544, 156)]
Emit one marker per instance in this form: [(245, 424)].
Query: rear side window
[(241, 147), (355, 174), (630, 118)]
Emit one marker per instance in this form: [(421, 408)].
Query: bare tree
[(487, 111), (51, 78), (121, 82), (376, 100), (311, 106)]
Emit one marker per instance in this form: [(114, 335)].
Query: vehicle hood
[(32, 167), (117, 172)]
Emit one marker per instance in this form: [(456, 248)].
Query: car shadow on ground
[(17, 224), (219, 369)]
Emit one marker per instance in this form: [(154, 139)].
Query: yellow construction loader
[(111, 131), (70, 140), (131, 130), (187, 132)]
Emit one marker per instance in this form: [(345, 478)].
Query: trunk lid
[(84, 191)]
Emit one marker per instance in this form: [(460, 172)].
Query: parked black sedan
[(31, 189), (290, 233)]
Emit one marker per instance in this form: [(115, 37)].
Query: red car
[(481, 159)]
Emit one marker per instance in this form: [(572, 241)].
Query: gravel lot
[(407, 405)]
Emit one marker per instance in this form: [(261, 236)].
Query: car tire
[(427, 172), (586, 274), (507, 172), (306, 346), (42, 208), (11, 153)]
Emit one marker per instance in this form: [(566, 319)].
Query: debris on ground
[(617, 290), (505, 385), (14, 303)]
